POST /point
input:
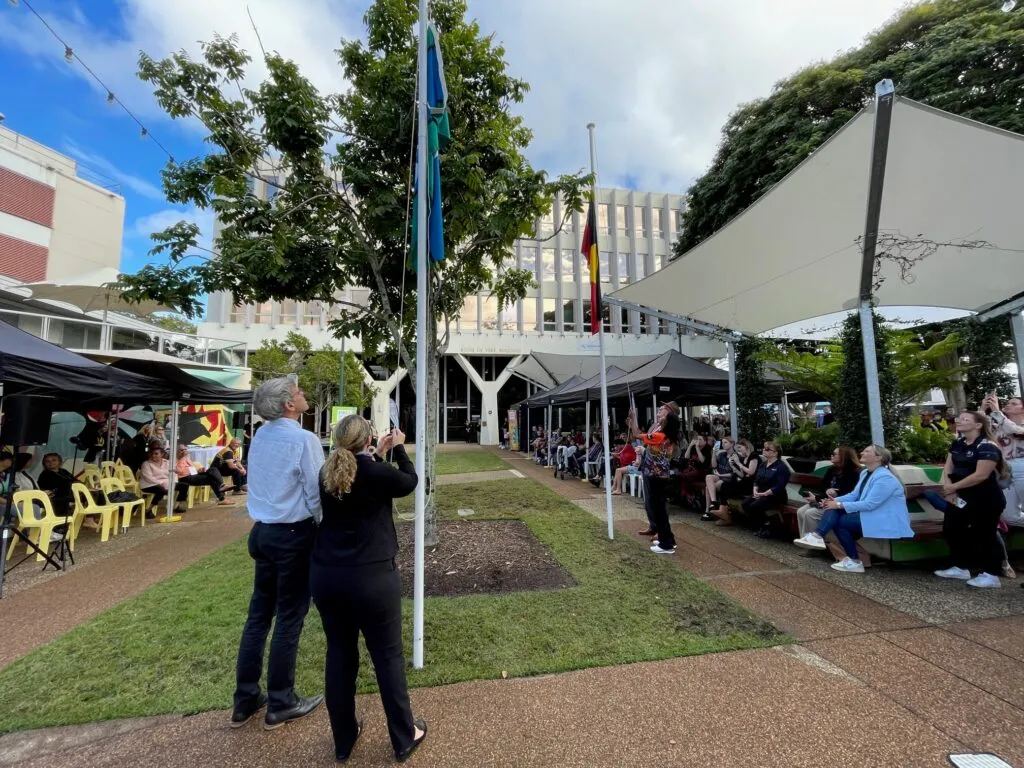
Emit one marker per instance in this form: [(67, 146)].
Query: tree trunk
[(955, 396)]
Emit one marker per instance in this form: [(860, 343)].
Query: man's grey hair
[(884, 454), (271, 396)]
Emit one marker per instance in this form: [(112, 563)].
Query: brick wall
[(22, 261), (25, 198)]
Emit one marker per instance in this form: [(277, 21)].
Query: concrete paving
[(892, 668)]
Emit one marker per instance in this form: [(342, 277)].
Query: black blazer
[(359, 527)]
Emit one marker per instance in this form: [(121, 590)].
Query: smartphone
[(960, 503)]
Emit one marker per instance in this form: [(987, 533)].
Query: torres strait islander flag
[(590, 253)]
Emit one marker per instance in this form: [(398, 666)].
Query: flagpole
[(421, 343), (598, 312)]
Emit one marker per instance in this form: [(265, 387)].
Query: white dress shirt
[(284, 473)]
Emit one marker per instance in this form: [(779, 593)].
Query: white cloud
[(659, 78), (146, 226), (104, 167)]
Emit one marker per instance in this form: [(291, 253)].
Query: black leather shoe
[(240, 717), (301, 708), (341, 757), (405, 754)]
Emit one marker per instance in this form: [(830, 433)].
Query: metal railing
[(80, 333)]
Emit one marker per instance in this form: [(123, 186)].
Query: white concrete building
[(54, 224), (636, 233)]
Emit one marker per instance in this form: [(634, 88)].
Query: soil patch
[(714, 616), (482, 557)]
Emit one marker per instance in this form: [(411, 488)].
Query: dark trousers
[(656, 504), (847, 528), (367, 599), (281, 588), (757, 510), (236, 477), (180, 491), (971, 533), (211, 478)]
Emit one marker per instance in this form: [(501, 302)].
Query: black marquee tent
[(31, 366), (186, 387)]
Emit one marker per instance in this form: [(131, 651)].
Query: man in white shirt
[(284, 503)]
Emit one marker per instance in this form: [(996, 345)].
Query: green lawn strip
[(453, 462), (172, 649)]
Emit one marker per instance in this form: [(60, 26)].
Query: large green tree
[(962, 56), (851, 402), (340, 215), (754, 418)]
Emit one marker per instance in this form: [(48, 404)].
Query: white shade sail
[(952, 215), (93, 291)]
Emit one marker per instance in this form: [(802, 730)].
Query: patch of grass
[(453, 462), (172, 648)]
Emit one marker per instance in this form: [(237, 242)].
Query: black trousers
[(971, 533), (281, 589), (180, 493), (656, 505), (757, 510), (367, 599), (211, 478), (236, 477)]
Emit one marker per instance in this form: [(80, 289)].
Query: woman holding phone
[(970, 484), (354, 581)]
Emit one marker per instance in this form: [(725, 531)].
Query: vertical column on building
[(490, 419)]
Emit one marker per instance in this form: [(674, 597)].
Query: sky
[(658, 77)]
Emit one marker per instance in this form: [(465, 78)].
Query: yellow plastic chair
[(128, 480), (108, 469), (112, 484), (146, 497), (39, 530), (90, 477), (85, 506)]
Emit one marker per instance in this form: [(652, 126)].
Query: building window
[(311, 313), (287, 316), (238, 312), (467, 317), (568, 217), (624, 319), (509, 262), (547, 225), (250, 184), (569, 315), (528, 260), (263, 314), (675, 223), (623, 262), (640, 221), (621, 223), (604, 226), (547, 264), (605, 319), (606, 268), (641, 267), (568, 265), (273, 185), (508, 318), (657, 227), (489, 313), (549, 314), (529, 314)]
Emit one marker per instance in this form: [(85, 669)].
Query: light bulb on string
[(144, 133), (69, 55), (1009, 5), (14, 3), (110, 97)]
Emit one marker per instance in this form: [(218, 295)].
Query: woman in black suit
[(355, 584)]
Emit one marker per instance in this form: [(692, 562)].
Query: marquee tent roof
[(950, 204), (548, 369), (589, 389), (31, 366), (673, 376), (543, 399), (186, 388)]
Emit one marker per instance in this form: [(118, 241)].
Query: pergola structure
[(906, 205)]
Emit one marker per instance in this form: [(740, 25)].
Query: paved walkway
[(880, 676)]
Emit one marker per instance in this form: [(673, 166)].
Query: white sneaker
[(56, 537), (656, 549), (847, 565), (985, 581), (954, 573), (810, 541)]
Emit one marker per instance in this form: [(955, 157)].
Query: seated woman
[(744, 462), (839, 480), (697, 459), (769, 495), (57, 481), (154, 478), (723, 472), (192, 473), (625, 457), (876, 508)]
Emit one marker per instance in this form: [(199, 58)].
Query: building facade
[(54, 224), (636, 231)]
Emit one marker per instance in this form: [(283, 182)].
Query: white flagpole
[(421, 343), (597, 312)]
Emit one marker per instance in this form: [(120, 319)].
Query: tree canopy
[(339, 216), (962, 56)]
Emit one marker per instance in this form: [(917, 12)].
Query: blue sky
[(672, 73)]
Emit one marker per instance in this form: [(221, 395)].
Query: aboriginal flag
[(590, 253)]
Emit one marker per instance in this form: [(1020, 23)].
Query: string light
[(70, 57)]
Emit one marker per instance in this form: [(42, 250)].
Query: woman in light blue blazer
[(876, 509)]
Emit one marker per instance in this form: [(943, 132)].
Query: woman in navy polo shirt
[(769, 489), (971, 486)]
